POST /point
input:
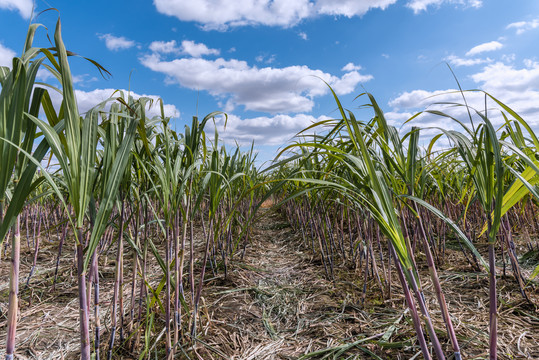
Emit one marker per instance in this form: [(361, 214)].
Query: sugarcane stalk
[(411, 305), (13, 291), (117, 283), (83, 301), (97, 319), (438, 289), (201, 281)]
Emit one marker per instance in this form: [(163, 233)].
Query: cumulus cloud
[(529, 63), (268, 89), (422, 5), (274, 130), (422, 98), (396, 118), (6, 56), (458, 61), (221, 14), (516, 87), (83, 79), (197, 50), (350, 8), (481, 48), (267, 59), (116, 43), (187, 47), (502, 77), (409, 103), (24, 7), (88, 99), (523, 26), (351, 67), (165, 47)]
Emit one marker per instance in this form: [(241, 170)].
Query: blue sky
[(261, 60)]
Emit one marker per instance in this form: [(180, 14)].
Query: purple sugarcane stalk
[(96, 305), (64, 233), (438, 288), (167, 305), (493, 299), (13, 291), (201, 281), (36, 250), (83, 302), (411, 305), (117, 283)]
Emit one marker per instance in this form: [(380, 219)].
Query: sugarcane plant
[(76, 149), (19, 99), (369, 165)]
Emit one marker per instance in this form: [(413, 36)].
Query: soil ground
[(277, 303)]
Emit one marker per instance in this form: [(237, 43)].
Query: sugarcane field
[(248, 226)]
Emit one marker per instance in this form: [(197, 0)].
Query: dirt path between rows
[(278, 304)]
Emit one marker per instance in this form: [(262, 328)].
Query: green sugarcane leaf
[(112, 184)]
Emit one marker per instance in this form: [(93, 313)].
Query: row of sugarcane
[(356, 182), (116, 179)]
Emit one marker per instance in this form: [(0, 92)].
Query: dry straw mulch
[(277, 303)]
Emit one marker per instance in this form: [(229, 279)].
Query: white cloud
[(268, 89), (421, 5), (348, 82), (165, 47), (81, 80), (489, 46), (422, 98), (409, 103), (351, 67), (529, 63), (350, 8), (457, 61), (275, 130), (500, 77), (303, 35), (197, 50), (88, 99), (221, 14), (518, 88), (6, 56), (84, 79), (523, 26), (187, 47), (24, 7), (267, 59), (44, 74), (508, 58), (116, 43), (396, 118)]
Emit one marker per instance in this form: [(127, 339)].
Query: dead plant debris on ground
[(276, 303)]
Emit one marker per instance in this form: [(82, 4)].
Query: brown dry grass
[(277, 304)]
